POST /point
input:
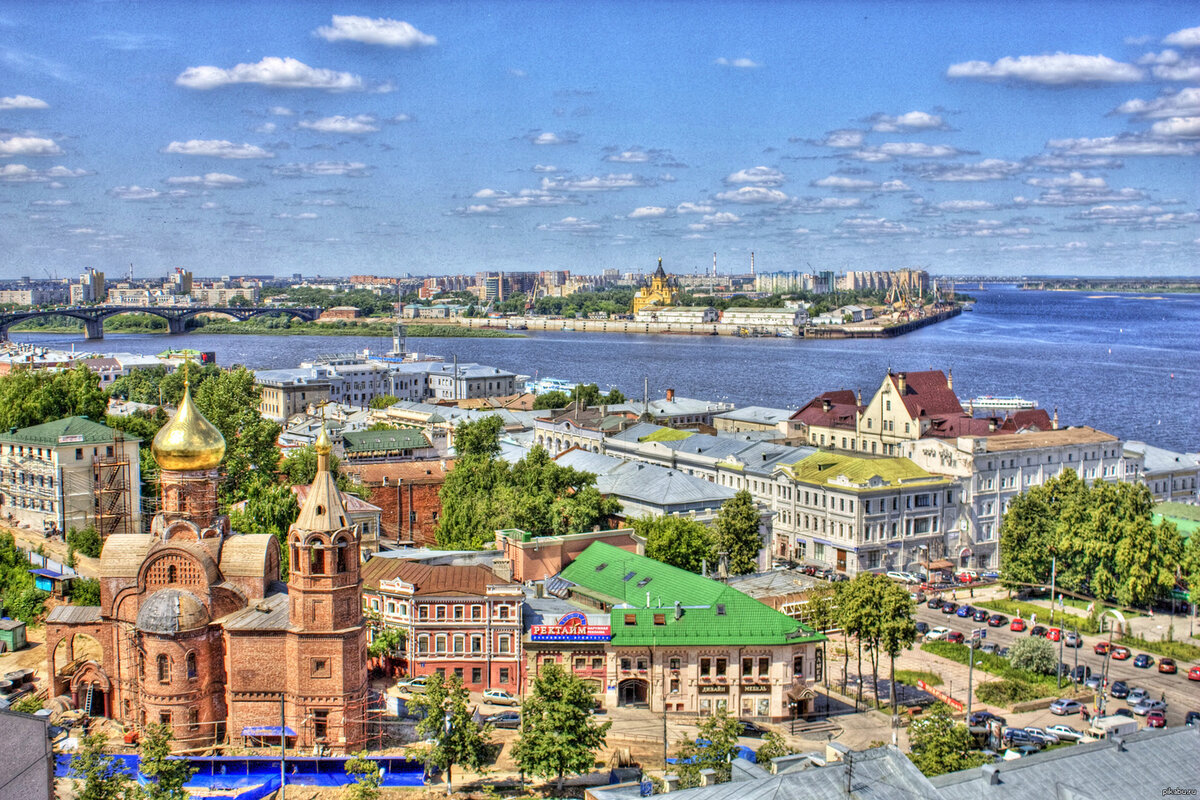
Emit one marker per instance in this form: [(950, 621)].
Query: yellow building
[(662, 291)]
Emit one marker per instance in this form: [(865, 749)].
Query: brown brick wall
[(410, 511)]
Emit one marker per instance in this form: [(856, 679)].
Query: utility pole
[(282, 750), (1053, 567), (1061, 638), (976, 635)]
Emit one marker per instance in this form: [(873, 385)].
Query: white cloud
[(594, 183), (570, 225), (301, 215), (28, 146), (954, 206), (989, 169), (278, 73), (134, 193), (823, 205), (52, 203), (281, 111), (210, 180), (266, 127), (387, 32), (21, 101), (361, 123), (1177, 127), (842, 138), (890, 150), (874, 226), (721, 218), (648, 212), (551, 138), (1075, 180), (217, 148), (349, 169), (402, 118), (526, 198), (1124, 145), (1060, 69), (209, 206), (20, 173), (894, 186), (983, 228), (545, 168), (1188, 37), (693, 208), (844, 184), (629, 157), (762, 176), (753, 195), (740, 63), (912, 121), (1185, 103), (1081, 196)]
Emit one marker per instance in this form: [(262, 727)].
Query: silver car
[(1146, 706), (1136, 696), (1093, 682), (1065, 732)]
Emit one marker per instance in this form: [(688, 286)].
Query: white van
[(1110, 726)]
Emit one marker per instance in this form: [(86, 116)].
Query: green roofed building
[(400, 444), (71, 473), (648, 634), (865, 514)]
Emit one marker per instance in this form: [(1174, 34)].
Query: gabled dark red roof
[(926, 394), (1033, 419), (430, 579), (842, 410)]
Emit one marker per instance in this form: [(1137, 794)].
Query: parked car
[(996, 620), (1167, 665), (412, 685), (1002, 652), (752, 728), (499, 697), (1019, 736), (1045, 736), (1120, 653), (1123, 712), (1194, 674), (1143, 661), (1017, 625), (1037, 630), (1119, 690), (980, 615), (934, 602), (922, 628), (1072, 639), (954, 636), (505, 719), (949, 607), (1149, 704), (983, 717), (917, 596), (1156, 719), (1093, 682), (1101, 648), (1065, 732), (899, 576), (1192, 718), (1137, 695), (1054, 634), (1081, 673), (940, 632), (991, 648), (991, 575), (1064, 706), (964, 611)]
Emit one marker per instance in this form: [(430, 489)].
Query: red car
[(1156, 719), (1167, 665), (1018, 624), (1101, 648), (1120, 653), (1054, 634), (954, 636), (1194, 674)]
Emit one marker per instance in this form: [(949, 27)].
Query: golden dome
[(188, 441), (323, 445)]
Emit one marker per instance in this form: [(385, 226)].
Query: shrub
[(1007, 692), (1034, 654), (911, 676), (86, 541)]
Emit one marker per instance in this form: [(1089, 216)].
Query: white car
[(899, 576), (940, 632), (499, 697), (1065, 732)]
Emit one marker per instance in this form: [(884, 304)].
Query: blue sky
[(431, 138)]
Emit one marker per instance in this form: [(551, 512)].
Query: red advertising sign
[(571, 627), (940, 695)]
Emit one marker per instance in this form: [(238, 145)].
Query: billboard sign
[(572, 627)]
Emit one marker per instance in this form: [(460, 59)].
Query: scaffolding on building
[(111, 490)]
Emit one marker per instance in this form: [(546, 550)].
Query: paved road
[(1182, 695)]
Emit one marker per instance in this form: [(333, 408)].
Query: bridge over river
[(176, 316)]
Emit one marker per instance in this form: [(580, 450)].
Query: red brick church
[(195, 630)]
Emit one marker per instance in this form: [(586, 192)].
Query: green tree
[(101, 775), (28, 704), (614, 396), (1190, 567), (721, 732), (447, 720), (299, 468), (1034, 654), (559, 735), (940, 745), (230, 402), (384, 401), (167, 775), (270, 508), (30, 397), (773, 746), (87, 541), (821, 613), (737, 533), (367, 777), (678, 541), (1147, 556), (85, 592), (551, 400), (586, 394), (897, 632), (480, 437), (386, 642)]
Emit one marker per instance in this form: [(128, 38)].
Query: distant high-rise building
[(90, 288)]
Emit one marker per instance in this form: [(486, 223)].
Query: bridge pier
[(176, 325), (93, 329)]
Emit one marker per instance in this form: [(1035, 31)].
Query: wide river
[(1127, 364)]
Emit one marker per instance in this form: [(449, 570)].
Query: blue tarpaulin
[(267, 730)]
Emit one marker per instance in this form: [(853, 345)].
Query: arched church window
[(191, 666), (314, 561), (172, 573), (341, 556), (164, 668)]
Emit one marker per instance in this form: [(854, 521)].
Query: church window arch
[(172, 573), (164, 668), (190, 664)]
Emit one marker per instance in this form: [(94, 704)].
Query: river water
[(1127, 364)]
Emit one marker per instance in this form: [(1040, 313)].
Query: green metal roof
[(1185, 517), (858, 474), (666, 435), (384, 441), (69, 430), (712, 612)]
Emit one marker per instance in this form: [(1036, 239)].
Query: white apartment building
[(765, 317), (682, 315), (1171, 477)]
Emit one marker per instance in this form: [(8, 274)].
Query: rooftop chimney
[(670, 395), (903, 381), (826, 405), (1054, 421), (950, 379)]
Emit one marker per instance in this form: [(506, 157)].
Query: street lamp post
[(976, 635), (449, 725), (1061, 637)]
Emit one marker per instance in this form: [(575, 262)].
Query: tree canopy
[(679, 541), (940, 745), (737, 533), (167, 775), (32, 397), (230, 402), (720, 732), (559, 735), (457, 740), (1101, 537)]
